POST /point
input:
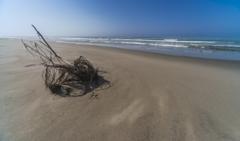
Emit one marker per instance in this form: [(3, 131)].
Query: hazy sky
[(121, 18)]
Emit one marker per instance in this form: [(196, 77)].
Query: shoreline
[(170, 53), (152, 97), (228, 63), (198, 50)]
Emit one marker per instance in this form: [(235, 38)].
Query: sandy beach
[(152, 97)]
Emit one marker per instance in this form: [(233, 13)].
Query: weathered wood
[(59, 72)]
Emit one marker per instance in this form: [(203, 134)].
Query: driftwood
[(59, 72)]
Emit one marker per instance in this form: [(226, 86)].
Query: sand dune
[(152, 97)]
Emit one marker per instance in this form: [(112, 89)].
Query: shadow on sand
[(78, 89)]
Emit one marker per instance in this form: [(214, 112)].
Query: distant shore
[(221, 48), (152, 97)]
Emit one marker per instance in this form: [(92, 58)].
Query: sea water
[(225, 48)]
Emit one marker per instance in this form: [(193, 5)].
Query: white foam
[(171, 40), (227, 46), (136, 43), (204, 51), (153, 40), (182, 41), (169, 45), (155, 44)]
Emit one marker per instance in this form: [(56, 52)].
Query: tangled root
[(58, 71), (82, 72)]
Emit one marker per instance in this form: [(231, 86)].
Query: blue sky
[(120, 18)]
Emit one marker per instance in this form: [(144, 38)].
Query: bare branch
[(59, 72)]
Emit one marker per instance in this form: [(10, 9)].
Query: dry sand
[(152, 97)]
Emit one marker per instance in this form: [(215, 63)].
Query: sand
[(152, 97)]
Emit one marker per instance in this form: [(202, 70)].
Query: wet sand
[(152, 97)]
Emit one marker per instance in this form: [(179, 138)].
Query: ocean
[(224, 48)]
